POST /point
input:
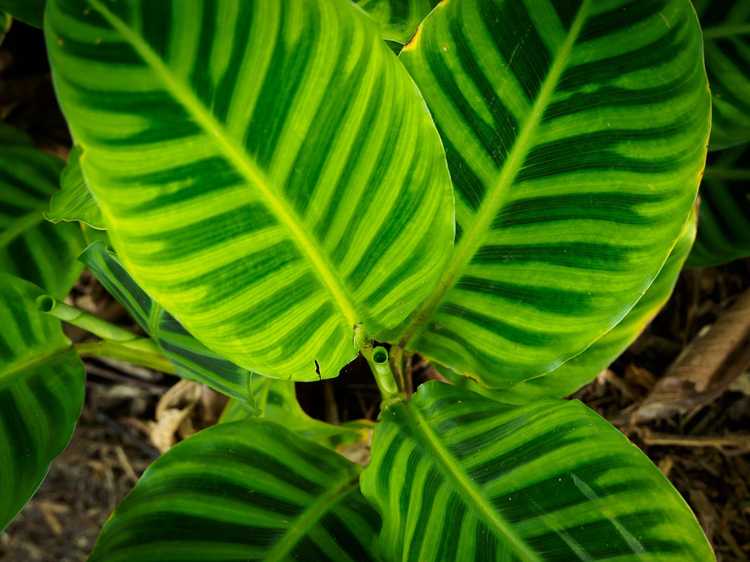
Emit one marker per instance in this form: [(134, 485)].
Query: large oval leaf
[(726, 33), (576, 135), (583, 368), (724, 223), (240, 492), (41, 393), (192, 359), (30, 247), (268, 169), (460, 477)]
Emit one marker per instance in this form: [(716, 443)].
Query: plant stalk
[(116, 343)]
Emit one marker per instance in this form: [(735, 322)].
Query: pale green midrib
[(243, 164), (309, 518), (468, 491), (498, 192), (11, 370), (21, 225), (729, 30)]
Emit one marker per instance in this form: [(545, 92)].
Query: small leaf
[(243, 491), (460, 477), (726, 34), (28, 11), (724, 222), (74, 202), (41, 393), (30, 247), (398, 19), (576, 135)]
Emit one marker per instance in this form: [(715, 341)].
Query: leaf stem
[(116, 342), (142, 352), (382, 367), (84, 320)]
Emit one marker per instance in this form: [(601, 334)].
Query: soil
[(704, 451)]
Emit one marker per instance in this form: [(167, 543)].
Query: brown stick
[(705, 369)]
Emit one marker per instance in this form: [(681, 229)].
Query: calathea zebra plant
[(510, 196)]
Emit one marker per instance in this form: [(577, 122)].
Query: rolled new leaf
[(31, 247), (243, 491), (726, 34), (460, 477), (576, 135), (724, 223), (41, 393), (270, 176)]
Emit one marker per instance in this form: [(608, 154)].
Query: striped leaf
[(74, 202), (726, 33), (28, 11), (575, 134), (460, 477), (192, 359), (41, 393), (268, 170), (243, 492), (583, 368), (398, 19), (30, 247), (724, 223)]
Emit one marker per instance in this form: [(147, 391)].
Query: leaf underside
[(243, 492), (41, 393), (462, 477), (192, 359), (74, 202), (398, 19), (575, 133)]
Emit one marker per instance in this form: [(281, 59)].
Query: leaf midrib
[(12, 370), (240, 160), (499, 191), (21, 225), (470, 493), (311, 515)]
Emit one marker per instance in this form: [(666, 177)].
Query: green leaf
[(5, 22), (398, 19), (74, 202), (576, 134), (583, 368), (30, 247), (460, 477), (192, 359), (270, 173), (41, 393), (726, 33), (724, 223), (28, 11), (240, 492)]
